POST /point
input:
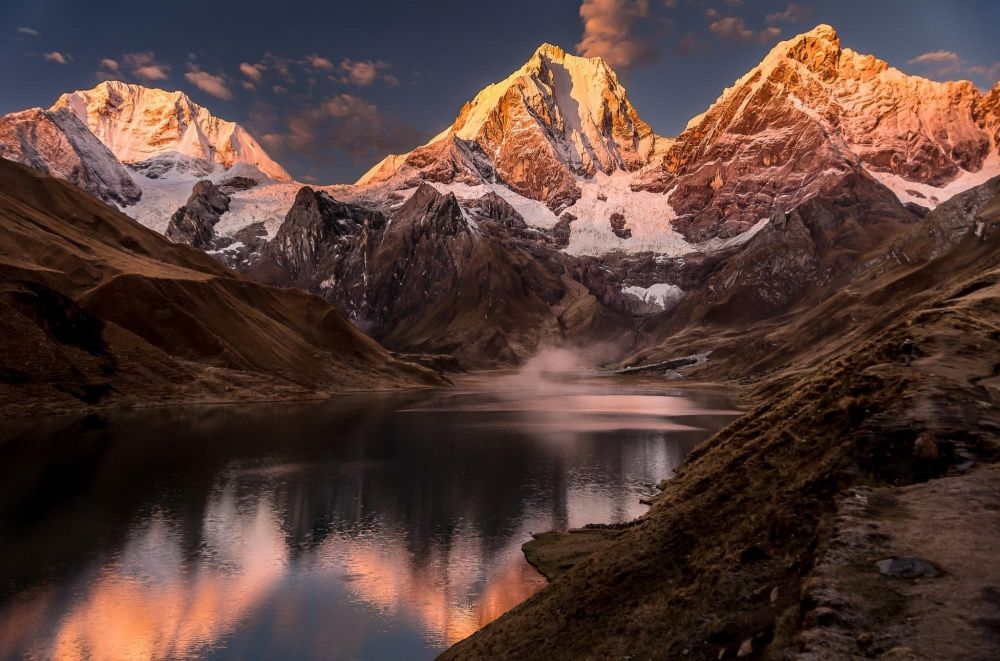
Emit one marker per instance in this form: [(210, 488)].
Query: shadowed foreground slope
[(95, 308), (723, 563)]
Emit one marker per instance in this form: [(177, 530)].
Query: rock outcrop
[(58, 144), (434, 277), (194, 223)]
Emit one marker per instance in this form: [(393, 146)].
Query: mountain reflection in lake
[(372, 526)]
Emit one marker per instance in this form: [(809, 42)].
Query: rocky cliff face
[(194, 223), (557, 117), (58, 144), (810, 113), (438, 276), (315, 226), (156, 131)]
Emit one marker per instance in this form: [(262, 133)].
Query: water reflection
[(369, 527)]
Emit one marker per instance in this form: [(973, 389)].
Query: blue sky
[(330, 87)]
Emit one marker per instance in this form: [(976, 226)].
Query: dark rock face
[(234, 184), (561, 231), (57, 143), (618, 228), (945, 226), (194, 223), (435, 278), (312, 226), (495, 207), (799, 257)]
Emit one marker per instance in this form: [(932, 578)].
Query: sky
[(329, 88)]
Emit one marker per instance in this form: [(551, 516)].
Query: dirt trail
[(953, 524)]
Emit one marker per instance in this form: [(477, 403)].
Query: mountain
[(433, 276), (154, 131), (556, 118), (57, 143), (808, 115), (97, 309)]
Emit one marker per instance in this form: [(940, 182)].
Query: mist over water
[(378, 526)]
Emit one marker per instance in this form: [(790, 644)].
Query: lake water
[(374, 526)]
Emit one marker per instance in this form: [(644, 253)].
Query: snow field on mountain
[(662, 294), (929, 196)]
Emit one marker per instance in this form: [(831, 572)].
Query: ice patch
[(663, 294), (929, 196), (648, 215)]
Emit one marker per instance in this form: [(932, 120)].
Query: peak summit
[(550, 51), (139, 124), (556, 118)]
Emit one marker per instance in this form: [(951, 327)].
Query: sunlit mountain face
[(367, 528)]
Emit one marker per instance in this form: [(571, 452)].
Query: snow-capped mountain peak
[(811, 112), (152, 130), (556, 118)]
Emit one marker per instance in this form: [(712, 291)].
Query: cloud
[(949, 64), (942, 59), (363, 73), (319, 62), (253, 72), (29, 32), (57, 57), (609, 31), (794, 13), (734, 28), (687, 45), (344, 122), (144, 65), (108, 69), (214, 85)]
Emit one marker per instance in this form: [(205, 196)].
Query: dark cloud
[(609, 32), (345, 123)]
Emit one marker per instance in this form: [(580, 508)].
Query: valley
[(711, 322)]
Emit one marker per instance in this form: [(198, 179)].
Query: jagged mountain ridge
[(808, 115), (431, 276), (811, 113), (556, 118), (560, 135)]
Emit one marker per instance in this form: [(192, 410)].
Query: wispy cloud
[(609, 32), (794, 13), (145, 65), (364, 73), (108, 69), (319, 63), (949, 64), (253, 72), (57, 57), (213, 84), (734, 28), (342, 122), (28, 31)]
